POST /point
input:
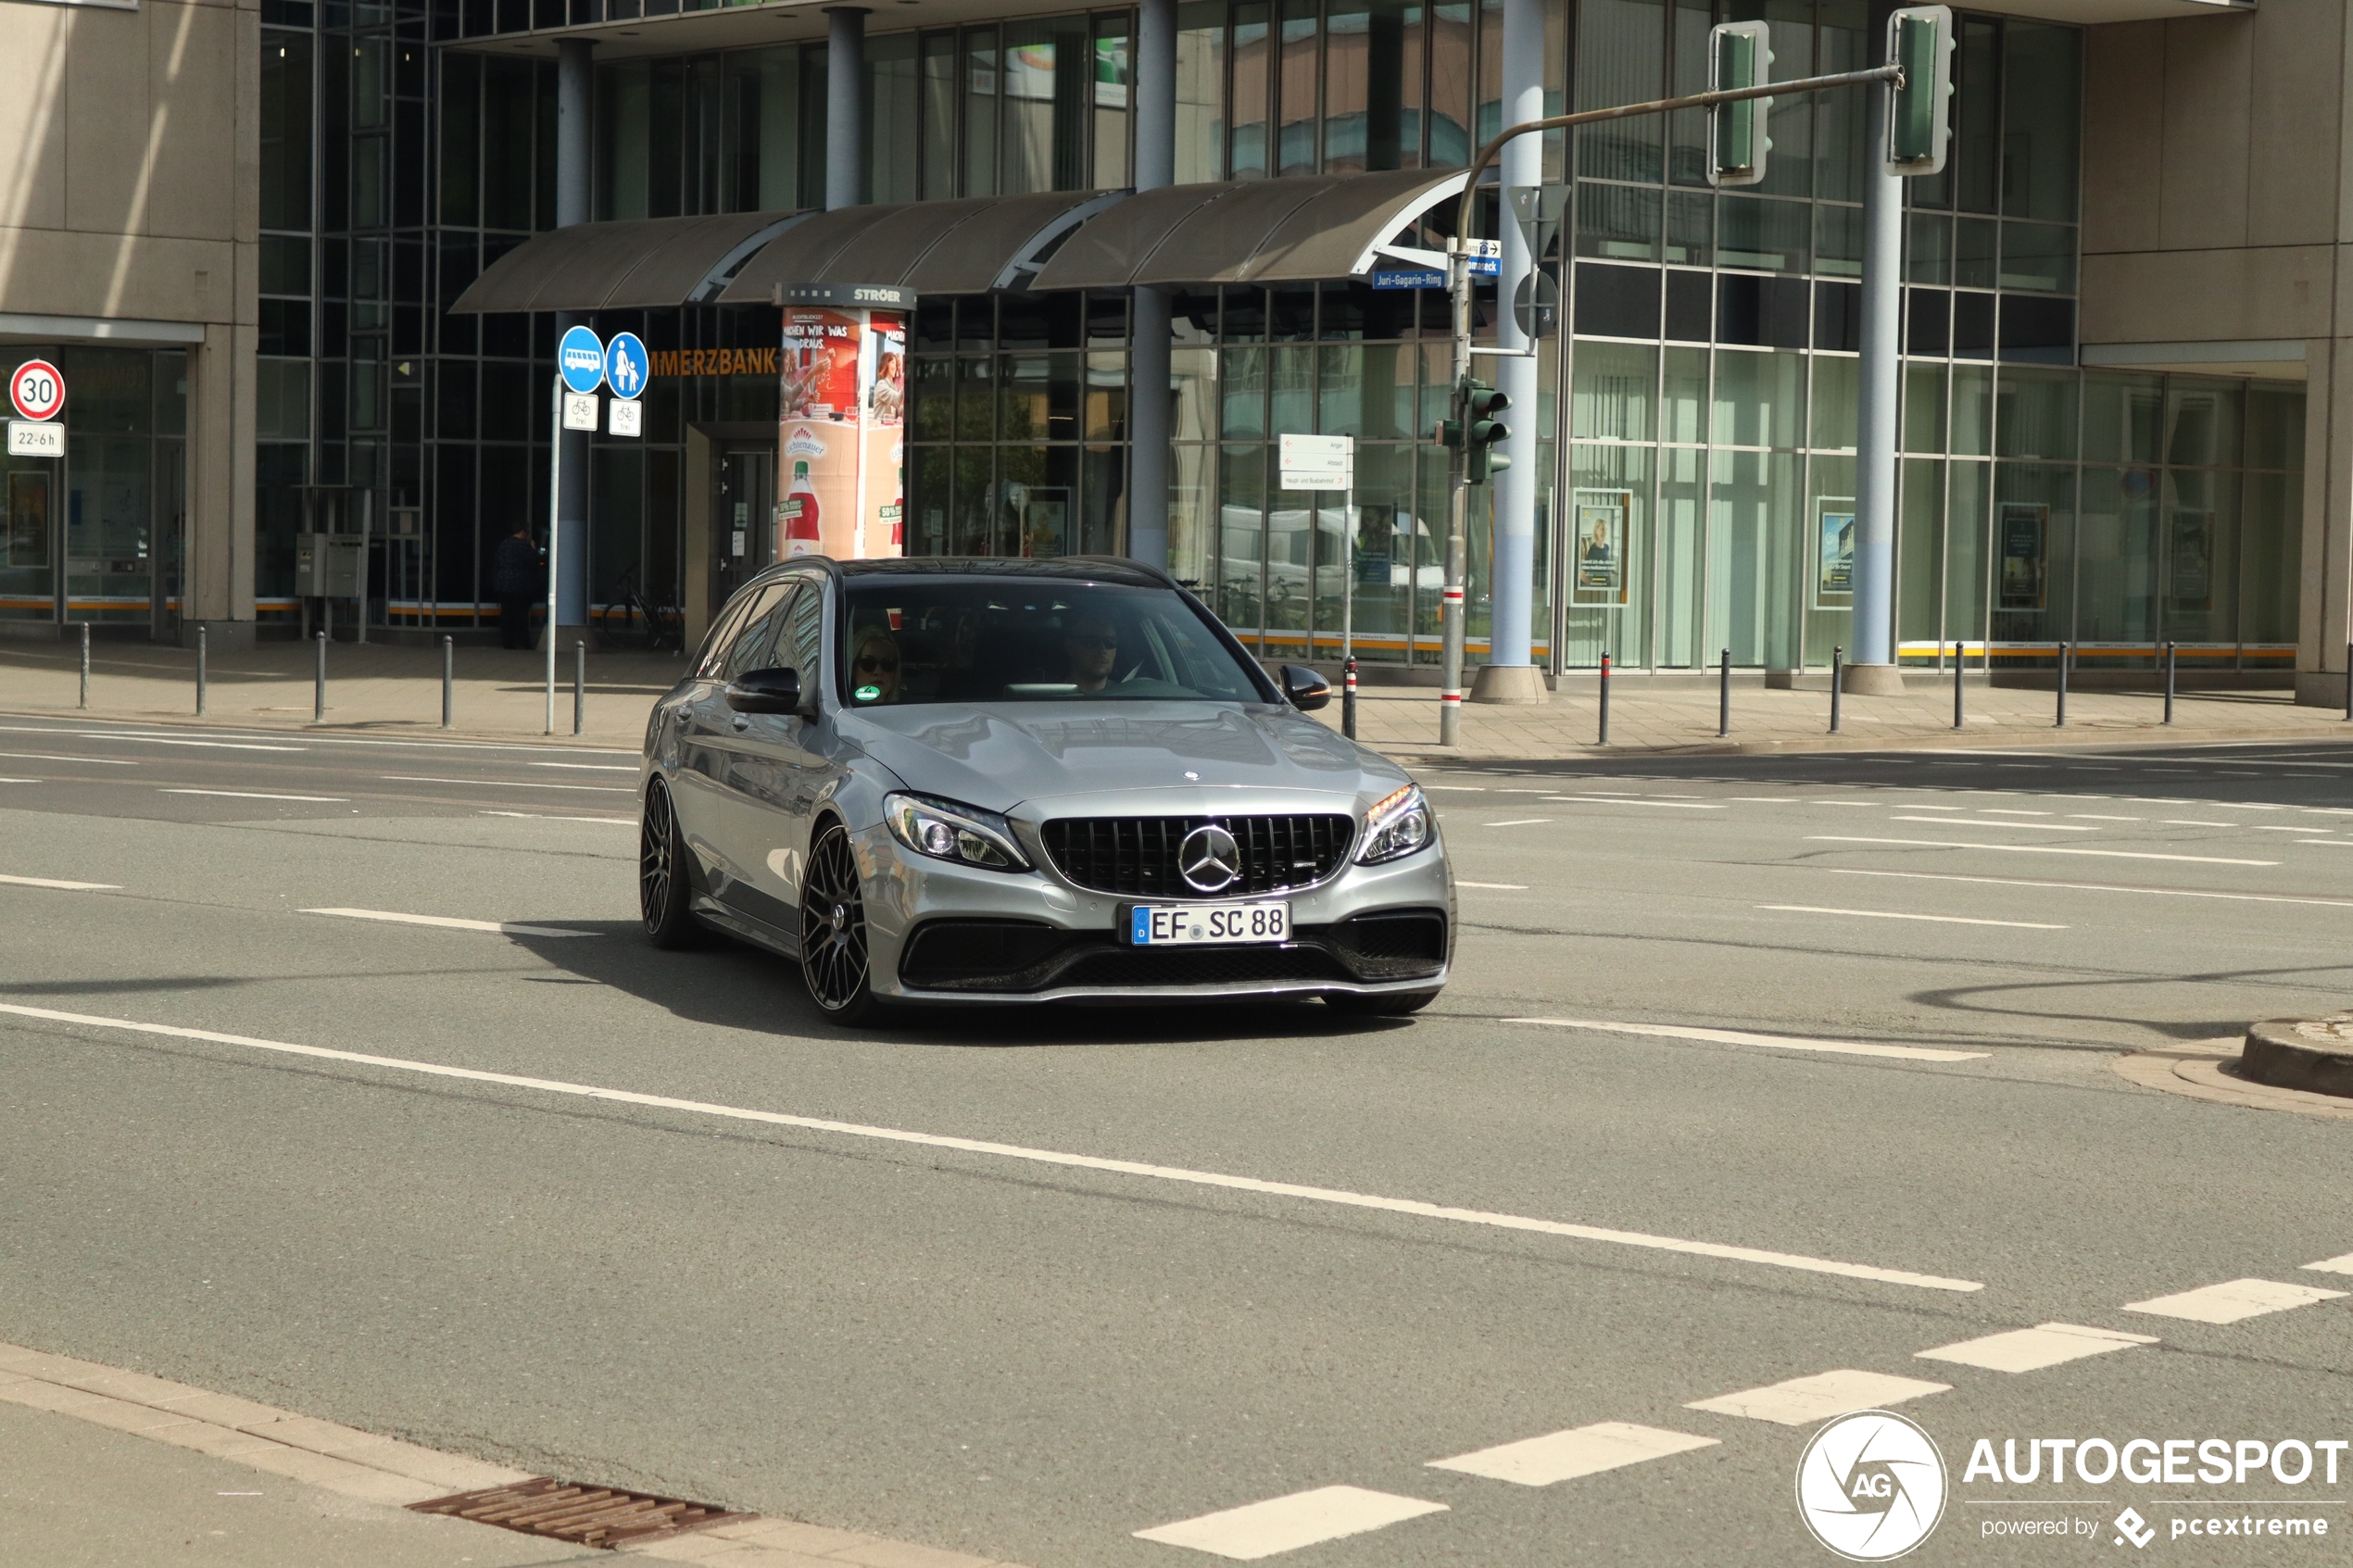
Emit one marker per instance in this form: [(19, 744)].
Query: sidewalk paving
[(500, 695)]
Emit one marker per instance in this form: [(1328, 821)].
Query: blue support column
[(1873, 670)]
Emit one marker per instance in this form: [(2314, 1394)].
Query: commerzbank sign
[(714, 361)]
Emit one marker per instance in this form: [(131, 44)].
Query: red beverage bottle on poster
[(800, 514)]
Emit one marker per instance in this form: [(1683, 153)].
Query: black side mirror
[(765, 690), (1307, 690)]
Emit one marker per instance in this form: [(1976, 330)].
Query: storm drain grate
[(599, 1517)]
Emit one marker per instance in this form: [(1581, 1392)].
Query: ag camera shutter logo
[(1870, 1486)]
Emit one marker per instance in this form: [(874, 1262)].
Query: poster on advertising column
[(841, 457)]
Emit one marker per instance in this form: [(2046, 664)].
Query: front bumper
[(938, 931)]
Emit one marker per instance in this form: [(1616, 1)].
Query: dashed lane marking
[(2337, 843), (1581, 1450), (1901, 914), (1741, 1037), (543, 817), (2032, 1349), (1983, 822), (1802, 1401), (1279, 1524), (2100, 886), (1333, 1196), (451, 922), (509, 783), (68, 886), (1519, 823), (2341, 1264), (1640, 800), (2035, 849), (591, 766), (258, 795), (57, 757), (2232, 1300), (1495, 886)]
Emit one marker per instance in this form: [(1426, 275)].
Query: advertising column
[(841, 442)]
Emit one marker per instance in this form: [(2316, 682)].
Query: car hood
[(1000, 755)]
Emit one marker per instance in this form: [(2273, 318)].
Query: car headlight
[(1396, 826), (946, 831)]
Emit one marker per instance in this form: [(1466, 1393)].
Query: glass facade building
[(1696, 423)]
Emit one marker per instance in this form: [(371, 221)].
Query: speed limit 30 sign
[(37, 390)]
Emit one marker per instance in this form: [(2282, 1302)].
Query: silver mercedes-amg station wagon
[(956, 781)]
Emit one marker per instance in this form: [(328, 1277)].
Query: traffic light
[(1920, 39), (1739, 55), (1482, 432)]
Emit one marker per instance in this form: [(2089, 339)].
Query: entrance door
[(742, 524)]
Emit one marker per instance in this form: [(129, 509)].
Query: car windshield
[(1030, 640)]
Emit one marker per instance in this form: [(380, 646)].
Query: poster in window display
[(1597, 554), (2022, 578), (840, 436), (1834, 552), (2189, 561)]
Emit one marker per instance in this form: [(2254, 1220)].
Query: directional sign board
[(626, 365), (1319, 463), (581, 358), (37, 389)]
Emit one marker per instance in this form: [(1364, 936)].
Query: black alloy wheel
[(662, 891), (832, 931)]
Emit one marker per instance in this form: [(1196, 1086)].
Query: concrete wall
[(2216, 211), (130, 187)]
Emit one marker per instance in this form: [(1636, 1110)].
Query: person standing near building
[(515, 577)]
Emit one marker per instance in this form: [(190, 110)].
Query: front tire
[(833, 932), (662, 890)]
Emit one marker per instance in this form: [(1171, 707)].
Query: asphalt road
[(1004, 1351)]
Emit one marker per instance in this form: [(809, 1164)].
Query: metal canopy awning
[(1295, 229), (630, 264), (965, 246)]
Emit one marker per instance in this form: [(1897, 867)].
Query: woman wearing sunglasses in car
[(873, 667)]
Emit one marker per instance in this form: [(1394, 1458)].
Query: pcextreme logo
[(1870, 1486)]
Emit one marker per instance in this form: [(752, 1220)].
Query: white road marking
[(19, 781), (591, 766), (2340, 1264), (2099, 816), (2101, 886), (310, 741), (1519, 823), (2032, 1349), (1581, 1450), (210, 745), (1460, 789), (258, 795), (1983, 822), (2191, 823), (1802, 1401), (1901, 914), (2232, 1300), (1642, 800), (55, 756), (1279, 1525), (2037, 849), (543, 817), (2274, 827), (1333, 1196), (2339, 843), (2010, 811), (506, 928), (510, 783), (69, 887), (1741, 1037), (1495, 886)]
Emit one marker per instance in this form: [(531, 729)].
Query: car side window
[(753, 645), (722, 637), (800, 641)]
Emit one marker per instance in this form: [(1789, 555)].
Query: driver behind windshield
[(1091, 647)]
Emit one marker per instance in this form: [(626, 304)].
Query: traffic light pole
[(1458, 281)]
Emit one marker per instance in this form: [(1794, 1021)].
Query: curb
[(2314, 1054), (2086, 739), (364, 1466), (419, 731), (2209, 1070)]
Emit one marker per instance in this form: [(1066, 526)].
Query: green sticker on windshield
[(867, 693)]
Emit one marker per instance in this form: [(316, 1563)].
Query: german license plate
[(1158, 926)]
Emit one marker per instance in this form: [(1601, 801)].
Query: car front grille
[(1138, 855)]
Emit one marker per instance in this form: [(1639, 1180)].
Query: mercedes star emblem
[(1208, 860)]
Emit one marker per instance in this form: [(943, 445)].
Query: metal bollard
[(448, 672), (200, 669), (2061, 723), (1348, 698), (1604, 739), (2169, 682), (1837, 668), (84, 700), (1724, 697), (1958, 713), (579, 682), (318, 684)]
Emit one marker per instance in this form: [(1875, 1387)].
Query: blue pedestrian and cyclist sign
[(626, 365), (581, 358)]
